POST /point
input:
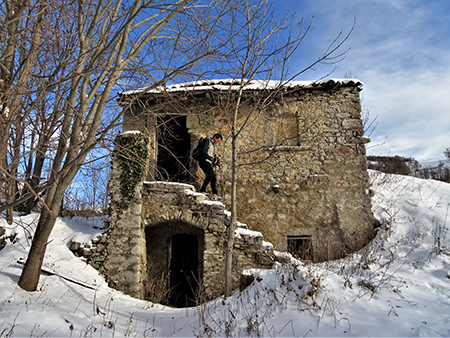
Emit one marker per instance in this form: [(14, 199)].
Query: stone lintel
[(292, 148)]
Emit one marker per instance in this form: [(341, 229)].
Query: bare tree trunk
[(30, 275), (35, 176), (232, 228)]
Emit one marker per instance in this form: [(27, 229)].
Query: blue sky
[(400, 49)]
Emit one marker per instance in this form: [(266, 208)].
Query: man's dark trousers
[(210, 177)]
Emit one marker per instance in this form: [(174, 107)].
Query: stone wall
[(313, 180), (125, 259)]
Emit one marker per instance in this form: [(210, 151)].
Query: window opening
[(287, 130), (300, 247)]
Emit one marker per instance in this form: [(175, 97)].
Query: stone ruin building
[(302, 183)]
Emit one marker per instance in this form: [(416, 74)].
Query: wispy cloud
[(401, 51)]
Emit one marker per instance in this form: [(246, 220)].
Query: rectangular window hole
[(300, 247)]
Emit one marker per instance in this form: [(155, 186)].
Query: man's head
[(217, 138)]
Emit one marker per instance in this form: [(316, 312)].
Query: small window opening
[(300, 247), (287, 130)]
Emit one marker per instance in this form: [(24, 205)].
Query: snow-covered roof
[(227, 84)]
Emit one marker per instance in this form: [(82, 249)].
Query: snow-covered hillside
[(399, 285)]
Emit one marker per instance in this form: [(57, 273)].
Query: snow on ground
[(397, 286)]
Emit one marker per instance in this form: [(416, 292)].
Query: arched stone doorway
[(174, 262)]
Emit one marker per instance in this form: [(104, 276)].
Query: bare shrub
[(393, 164), (439, 233), (155, 290)]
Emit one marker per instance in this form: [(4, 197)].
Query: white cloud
[(401, 51), (413, 110)]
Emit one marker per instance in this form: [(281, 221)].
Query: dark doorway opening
[(183, 270), (172, 247), (174, 145), (300, 247)]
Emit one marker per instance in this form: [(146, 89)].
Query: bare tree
[(87, 194), (74, 56), (20, 34), (261, 55)]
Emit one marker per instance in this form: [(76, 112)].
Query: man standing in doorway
[(207, 161)]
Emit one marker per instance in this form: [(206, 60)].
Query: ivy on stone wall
[(131, 153)]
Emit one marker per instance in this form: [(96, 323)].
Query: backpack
[(197, 153)]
